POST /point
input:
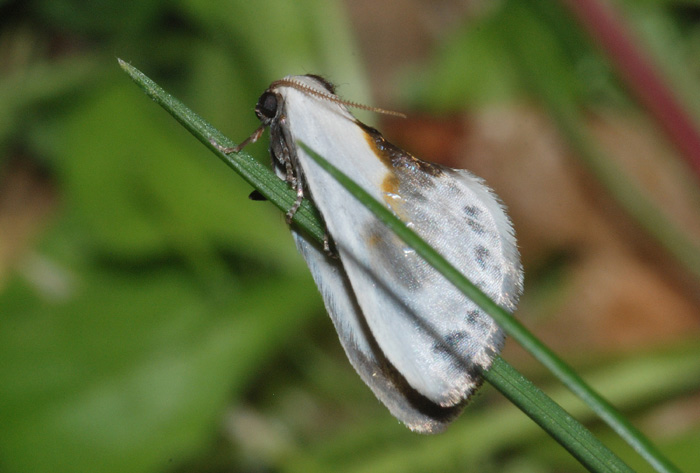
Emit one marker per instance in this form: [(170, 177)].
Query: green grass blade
[(558, 423)]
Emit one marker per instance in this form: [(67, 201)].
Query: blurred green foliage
[(158, 295)]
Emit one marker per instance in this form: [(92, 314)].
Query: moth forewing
[(404, 402), (418, 342)]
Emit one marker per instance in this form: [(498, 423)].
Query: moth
[(414, 339)]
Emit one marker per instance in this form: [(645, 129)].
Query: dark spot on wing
[(473, 371), (456, 337), (472, 316), (482, 254), (452, 343), (479, 320), (472, 211), (476, 226), (459, 347)]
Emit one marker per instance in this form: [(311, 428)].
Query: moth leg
[(329, 246), (283, 157), (236, 149), (300, 197), (290, 174)]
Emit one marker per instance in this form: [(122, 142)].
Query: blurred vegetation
[(155, 319)]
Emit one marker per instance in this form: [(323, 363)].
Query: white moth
[(417, 342)]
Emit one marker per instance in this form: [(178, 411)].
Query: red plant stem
[(640, 75)]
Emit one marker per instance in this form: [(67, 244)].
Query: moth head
[(268, 103), (267, 106)]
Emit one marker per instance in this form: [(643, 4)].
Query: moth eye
[(266, 109)]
